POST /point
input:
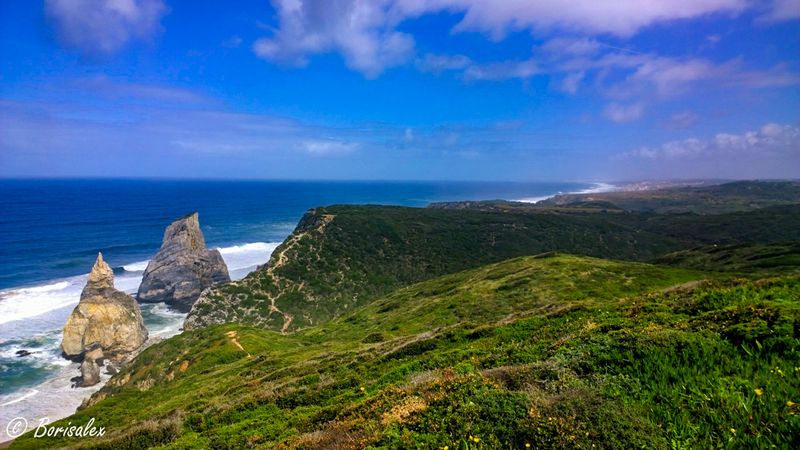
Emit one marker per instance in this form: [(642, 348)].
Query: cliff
[(183, 267), (341, 257)]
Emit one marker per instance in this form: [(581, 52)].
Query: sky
[(536, 90)]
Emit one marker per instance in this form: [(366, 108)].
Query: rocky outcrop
[(104, 318), (90, 367), (183, 267)]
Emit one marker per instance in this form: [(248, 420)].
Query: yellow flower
[(759, 392), (733, 430), (362, 388), (527, 445), (476, 439), (789, 403), (445, 448)]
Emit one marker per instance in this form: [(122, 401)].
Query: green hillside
[(552, 351), (341, 257), (744, 259)]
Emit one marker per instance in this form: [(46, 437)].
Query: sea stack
[(105, 319), (183, 267)]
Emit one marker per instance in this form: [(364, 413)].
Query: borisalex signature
[(18, 426)]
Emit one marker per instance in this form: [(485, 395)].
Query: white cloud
[(626, 75), (365, 32), (673, 76), (771, 140), (623, 113), (617, 17), (571, 46), (329, 147), (572, 82), (359, 30), (103, 27)]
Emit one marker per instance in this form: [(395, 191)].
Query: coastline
[(63, 295), (40, 330), (626, 186), (596, 189)]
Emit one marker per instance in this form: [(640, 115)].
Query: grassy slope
[(555, 351), (341, 257), (745, 259)]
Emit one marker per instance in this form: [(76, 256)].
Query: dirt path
[(234, 338), (280, 261)]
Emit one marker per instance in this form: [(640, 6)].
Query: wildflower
[(476, 439), (362, 388), (733, 430), (759, 392), (789, 403), (527, 445)]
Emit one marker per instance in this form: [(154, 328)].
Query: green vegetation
[(341, 257), (750, 260), (385, 327), (552, 351)]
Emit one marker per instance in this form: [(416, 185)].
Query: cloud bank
[(771, 151), (365, 32), (770, 140)]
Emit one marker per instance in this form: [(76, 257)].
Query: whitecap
[(29, 394), (242, 259), (28, 302), (139, 266)]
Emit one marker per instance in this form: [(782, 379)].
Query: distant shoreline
[(596, 189), (626, 186)]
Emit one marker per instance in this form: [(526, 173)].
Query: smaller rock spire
[(104, 317), (101, 275)]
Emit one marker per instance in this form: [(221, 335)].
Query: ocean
[(52, 230)]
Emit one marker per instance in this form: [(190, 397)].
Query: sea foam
[(28, 302)]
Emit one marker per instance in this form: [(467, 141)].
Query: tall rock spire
[(183, 267)]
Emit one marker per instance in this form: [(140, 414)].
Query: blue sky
[(400, 89)]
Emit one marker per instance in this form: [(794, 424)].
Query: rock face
[(104, 318), (183, 267), (90, 367)]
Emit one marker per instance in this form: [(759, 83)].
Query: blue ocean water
[(51, 231), (54, 228)]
